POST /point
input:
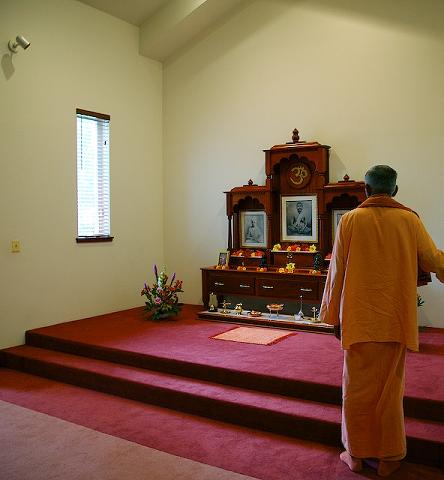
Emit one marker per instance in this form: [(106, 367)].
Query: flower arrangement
[(290, 267), (295, 248), (161, 297)]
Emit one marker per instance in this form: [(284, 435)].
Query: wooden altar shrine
[(280, 234)]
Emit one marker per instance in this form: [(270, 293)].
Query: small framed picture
[(253, 229), (337, 214), (224, 258), (299, 218)]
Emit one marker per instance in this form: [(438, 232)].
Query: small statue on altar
[(318, 262), (212, 304), (224, 307), (295, 136), (238, 309), (315, 317)]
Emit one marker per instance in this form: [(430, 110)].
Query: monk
[(370, 297)]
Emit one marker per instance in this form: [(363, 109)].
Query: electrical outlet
[(15, 246)]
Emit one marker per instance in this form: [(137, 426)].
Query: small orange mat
[(257, 335)]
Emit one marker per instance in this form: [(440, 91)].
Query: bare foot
[(387, 468), (354, 464)]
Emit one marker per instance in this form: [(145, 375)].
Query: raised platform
[(291, 388)]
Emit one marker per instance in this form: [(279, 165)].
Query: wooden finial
[(345, 179)]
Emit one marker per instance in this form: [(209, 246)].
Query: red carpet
[(251, 452), (176, 364)]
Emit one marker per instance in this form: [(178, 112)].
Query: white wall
[(79, 57), (364, 77)]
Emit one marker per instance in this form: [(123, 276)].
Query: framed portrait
[(337, 214), (253, 229), (224, 258), (299, 218)]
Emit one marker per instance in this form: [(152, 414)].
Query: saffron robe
[(371, 283), (371, 292), (372, 406)]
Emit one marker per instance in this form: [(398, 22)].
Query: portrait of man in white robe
[(253, 229), (299, 218)]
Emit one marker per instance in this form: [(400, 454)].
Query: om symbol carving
[(299, 175)]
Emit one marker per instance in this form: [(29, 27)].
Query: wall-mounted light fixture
[(19, 40)]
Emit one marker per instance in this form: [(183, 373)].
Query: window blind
[(93, 179)]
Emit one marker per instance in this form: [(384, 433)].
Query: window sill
[(94, 239)]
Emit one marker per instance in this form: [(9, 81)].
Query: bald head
[(381, 179)]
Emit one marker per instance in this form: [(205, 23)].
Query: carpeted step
[(201, 369), (270, 412), (250, 452), (312, 383)]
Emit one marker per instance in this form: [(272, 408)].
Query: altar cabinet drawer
[(287, 288), (232, 283)]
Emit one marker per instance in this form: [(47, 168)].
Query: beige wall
[(79, 57), (363, 77)]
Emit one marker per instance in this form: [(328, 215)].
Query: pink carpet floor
[(41, 454), (246, 451)]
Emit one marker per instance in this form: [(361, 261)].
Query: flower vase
[(155, 315), (161, 296), (162, 316)]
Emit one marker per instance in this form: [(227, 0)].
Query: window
[(93, 185)]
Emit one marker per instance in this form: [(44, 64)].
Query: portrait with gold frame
[(224, 258)]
